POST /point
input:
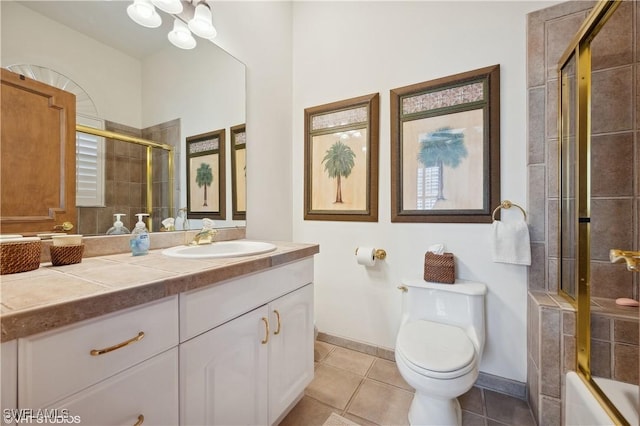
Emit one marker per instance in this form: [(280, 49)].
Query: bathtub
[(582, 408)]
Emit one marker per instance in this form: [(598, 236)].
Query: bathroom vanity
[(200, 341)]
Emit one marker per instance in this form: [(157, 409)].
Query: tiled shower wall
[(615, 202), (165, 133), (124, 184), (125, 179)]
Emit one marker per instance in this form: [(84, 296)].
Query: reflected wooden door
[(38, 156)]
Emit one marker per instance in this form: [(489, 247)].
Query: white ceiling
[(107, 21)]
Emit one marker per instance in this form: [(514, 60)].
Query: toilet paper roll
[(365, 256)]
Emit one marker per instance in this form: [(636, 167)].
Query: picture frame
[(239, 172), (341, 160), (445, 148), (206, 181)]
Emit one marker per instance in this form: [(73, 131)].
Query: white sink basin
[(220, 249)]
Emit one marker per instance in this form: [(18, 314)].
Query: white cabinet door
[(9, 377), (290, 349), (223, 373), (147, 392)]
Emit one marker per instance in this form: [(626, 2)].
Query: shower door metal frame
[(580, 49)]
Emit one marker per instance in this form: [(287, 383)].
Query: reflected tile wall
[(124, 166), (125, 179), (166, 133)]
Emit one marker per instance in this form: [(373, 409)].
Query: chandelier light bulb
[(143, 13), (202, 24), (180, 36)]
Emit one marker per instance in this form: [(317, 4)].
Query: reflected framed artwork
[(239, 172), (445, 148), (341, 160), (206, 181)]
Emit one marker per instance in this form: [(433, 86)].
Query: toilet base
[(427, 410)]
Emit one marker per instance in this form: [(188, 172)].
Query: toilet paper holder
[(379, 254)]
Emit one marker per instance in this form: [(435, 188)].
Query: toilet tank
[(461, 304)]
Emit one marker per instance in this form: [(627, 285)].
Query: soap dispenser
[(118, 227), (139, 241)]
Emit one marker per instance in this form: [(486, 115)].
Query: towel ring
[(506, 204)]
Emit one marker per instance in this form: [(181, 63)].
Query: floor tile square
[(387, 372), (359, 420), (333, 386), (472, 401), (471, 419), (495, 423), (382, 404), (507, 409), (321, 350), (308, 412), (353, 361)]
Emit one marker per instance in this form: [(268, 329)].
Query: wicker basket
[(19, 256), (66, 255), (439, 268)]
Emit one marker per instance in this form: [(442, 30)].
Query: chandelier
[(189, 16)]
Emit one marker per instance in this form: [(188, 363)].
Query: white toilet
[(439, 346)]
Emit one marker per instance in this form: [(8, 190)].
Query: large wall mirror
[(139, 84)]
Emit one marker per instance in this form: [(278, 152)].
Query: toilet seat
[(436, 350)]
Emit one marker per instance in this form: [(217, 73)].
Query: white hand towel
[(510, 243)]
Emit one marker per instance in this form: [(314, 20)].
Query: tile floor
[(370, 391)]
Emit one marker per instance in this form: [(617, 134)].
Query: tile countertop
[(50, 297)]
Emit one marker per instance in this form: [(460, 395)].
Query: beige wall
[(339, 52)]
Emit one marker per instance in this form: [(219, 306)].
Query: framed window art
[(445, 148)]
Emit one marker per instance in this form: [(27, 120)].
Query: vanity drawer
[(204, 309), (147, 392), (58, 363)]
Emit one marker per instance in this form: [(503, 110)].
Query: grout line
[(335, 409), (347, 405), (361, 420), (353, 395), (392, 385), (484, 403), (366, 373)]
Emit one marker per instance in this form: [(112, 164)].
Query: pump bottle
[(118, 227), (139, 241)]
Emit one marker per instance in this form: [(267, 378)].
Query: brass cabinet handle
[(275, 311), (96, 352), (140, 420), (403, 288), (266, 334)]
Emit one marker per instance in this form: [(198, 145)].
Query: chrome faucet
[(631, 257)]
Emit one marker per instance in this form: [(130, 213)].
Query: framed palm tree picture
[(445, 148), (341, 160), (206, 181)]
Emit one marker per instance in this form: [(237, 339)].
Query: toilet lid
[(435, 347)]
